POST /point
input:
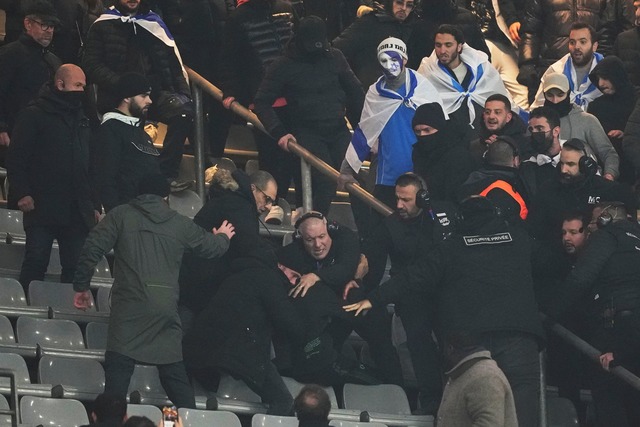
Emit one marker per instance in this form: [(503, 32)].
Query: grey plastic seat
[(6, 331), (52, 412), (53, 294), (11, 223), (17, 364), (202, 418), (146, 380), (340, 423), (149, 411), (384, 398), (341, 212), (264, 420), (104, 299), (5, 420), (84, 376), (287, 239), (224, 163), (96, 335), (230, 388), (294, 388), (185, 202), (50, 333), (561, 413), (11, 256), (11, 292)]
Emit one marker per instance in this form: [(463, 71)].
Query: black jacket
[(627, 48), (613, 111), (200, 277), (234, 332), (318, 89), (126, 155), (254, 36), (114, 47), (49, 160), (480, 278), (516, 129), (546, 26), (26, 66), (400, 239), (631, 140), (338, 267)]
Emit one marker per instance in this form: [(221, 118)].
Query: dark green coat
[(148, 239)]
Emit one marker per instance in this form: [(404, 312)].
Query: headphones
[(605, 218), (423, 198), (331, 226), (481, 203), (587, 165)]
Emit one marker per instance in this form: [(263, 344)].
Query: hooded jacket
[(627, 48), (148, 239), (613, 111), (49, 160)]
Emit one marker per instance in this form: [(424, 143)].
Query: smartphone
[(169, 415)]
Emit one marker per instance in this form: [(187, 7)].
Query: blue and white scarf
[(379, 105)]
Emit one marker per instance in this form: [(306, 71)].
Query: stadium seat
[(235, 396), (287, 238), (5, 420), (104, 299), (149, 411), (11, 223), (561, 413), (81, 379), (11, 292), (51, 333), (341, 213), (185, 202), (340, 423), (11, 257), (264, 420), (224, 163), (251, 166), (52, 412), (295, 387), (201, 418), (145, 383), (17, 364), (6, 331), (386, 398), (96, 335), (53, 294)]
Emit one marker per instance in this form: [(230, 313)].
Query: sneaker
[(177, 186), (275, 216)]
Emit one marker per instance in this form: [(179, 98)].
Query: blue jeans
[(38, 250)]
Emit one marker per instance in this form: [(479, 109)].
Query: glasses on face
[(43, 26), (267, 199), (405, 4)]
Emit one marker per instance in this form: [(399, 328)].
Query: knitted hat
[(154, 184), (431, 115), (131, 84), (393, 44), (311, 35), (43, 9)]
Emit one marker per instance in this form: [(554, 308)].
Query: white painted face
[(391, 64)]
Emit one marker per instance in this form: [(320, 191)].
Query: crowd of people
[(504, 134)]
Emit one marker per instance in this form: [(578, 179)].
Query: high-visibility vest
[(508, 188)]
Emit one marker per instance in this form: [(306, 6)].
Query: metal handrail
[(15, 404), (200, 84)]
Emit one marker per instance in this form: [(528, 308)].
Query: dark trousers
[(330, 145), (516, 353), (274, 392), (425, 357), (39, 239), (178, 129), (282, 165), (118, 369)]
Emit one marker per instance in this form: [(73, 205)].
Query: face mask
[(73, 98), (541, 141), (562, 108), (431, 142), (391, 63)]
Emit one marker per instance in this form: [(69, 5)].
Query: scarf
[(380, 104), (485, 81), (151, 22)]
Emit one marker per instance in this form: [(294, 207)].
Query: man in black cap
[(26, 65), (312, 67), (127, 152), (48, 166), (441, 155)]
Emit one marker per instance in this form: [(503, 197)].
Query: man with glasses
[(241, 199), (26, 65)]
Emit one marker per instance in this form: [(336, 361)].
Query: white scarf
[(485, 81), (379, 105)]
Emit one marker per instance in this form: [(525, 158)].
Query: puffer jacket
[(627, 48), (547, 23)]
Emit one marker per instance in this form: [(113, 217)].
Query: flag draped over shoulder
[(151, 22), (379, 105), (485, 81), (582, 93)]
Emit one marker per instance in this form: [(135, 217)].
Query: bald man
[(48, 167)]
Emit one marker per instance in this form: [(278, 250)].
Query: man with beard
[(498, 120), (48, 166), (130, 37), (576, 187), (576, 65), (463, 76), (575, 123), (385, 125), (127, 152)]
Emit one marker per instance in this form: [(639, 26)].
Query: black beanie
[(154, 184), (311, 35), (131, 84), (431, 115)]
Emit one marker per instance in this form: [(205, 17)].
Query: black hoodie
[(613, 110)]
